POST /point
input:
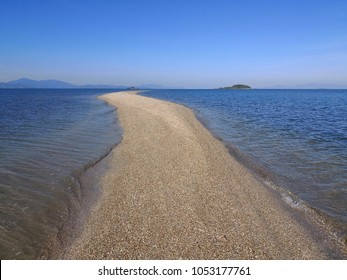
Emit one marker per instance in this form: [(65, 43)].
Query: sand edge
[(196, 201)]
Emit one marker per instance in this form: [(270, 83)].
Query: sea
[(48, 138), (294, 140)]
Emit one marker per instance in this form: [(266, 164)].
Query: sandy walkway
[(172, 191)]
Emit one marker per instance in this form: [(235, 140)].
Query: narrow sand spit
[(172, 191)]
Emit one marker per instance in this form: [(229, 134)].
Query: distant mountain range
[(29, 83)]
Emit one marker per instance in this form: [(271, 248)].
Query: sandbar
[(172, 191)]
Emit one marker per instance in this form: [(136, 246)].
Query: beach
[(172, 191)]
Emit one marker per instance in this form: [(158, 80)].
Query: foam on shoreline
[(173, 191)]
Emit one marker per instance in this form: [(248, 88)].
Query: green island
[(238, 86)]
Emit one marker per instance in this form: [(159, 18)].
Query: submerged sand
[(172, 191)]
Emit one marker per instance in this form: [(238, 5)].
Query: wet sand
[(172, 191)]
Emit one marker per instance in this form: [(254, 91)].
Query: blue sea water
[(48, 137), (298, 136)]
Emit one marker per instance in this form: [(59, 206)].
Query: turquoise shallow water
[(47, 139), (295, 138)]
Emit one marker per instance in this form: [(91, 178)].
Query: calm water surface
[(47, 139), (299, 136)]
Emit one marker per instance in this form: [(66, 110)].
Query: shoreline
[(332, 231), (87, 193), (196, 200)]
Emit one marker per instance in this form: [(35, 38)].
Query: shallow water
[(297, 137), (47, 139)]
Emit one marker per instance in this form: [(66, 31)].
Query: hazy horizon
[(159, 86), (188, 44)]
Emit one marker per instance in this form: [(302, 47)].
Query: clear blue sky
[(191, 44)]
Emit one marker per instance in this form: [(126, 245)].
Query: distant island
[(238, 86)]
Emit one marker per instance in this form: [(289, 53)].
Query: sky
[(184, 44)]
